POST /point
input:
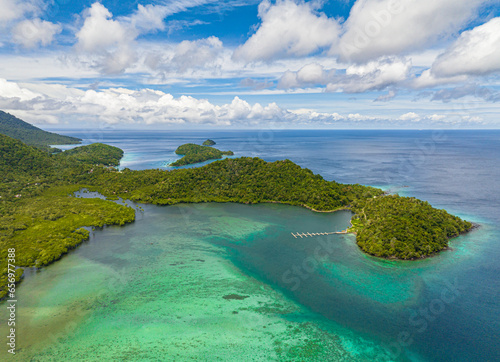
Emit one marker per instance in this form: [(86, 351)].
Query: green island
[(208, 142), (42, 220), (195, 153)]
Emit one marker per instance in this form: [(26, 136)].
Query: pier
[(306, 235)]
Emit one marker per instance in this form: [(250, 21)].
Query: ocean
[(228, 282)]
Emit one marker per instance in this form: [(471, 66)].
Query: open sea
[(228, 282)]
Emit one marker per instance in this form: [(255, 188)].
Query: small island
[(208, 142), (195, 153)]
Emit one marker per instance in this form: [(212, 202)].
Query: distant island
[(42, 221), (195, 153), (208, 142)]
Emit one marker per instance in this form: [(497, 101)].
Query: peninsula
[(41, 219)]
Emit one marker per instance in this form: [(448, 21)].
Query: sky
[(201, 64)]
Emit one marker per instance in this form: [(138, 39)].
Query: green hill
[(14, 127)]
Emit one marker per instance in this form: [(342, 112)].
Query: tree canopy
[(195, 153)]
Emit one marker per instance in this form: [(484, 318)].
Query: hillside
[(19, 159), (14, 127)]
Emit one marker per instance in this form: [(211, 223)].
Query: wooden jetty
[(306, 235)]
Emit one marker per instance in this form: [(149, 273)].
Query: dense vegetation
[(43, 228), (37, 217), (42, 222), (403, 227), (245, 180), (196, 153), (31, 135), (96, 153), (208, 142)]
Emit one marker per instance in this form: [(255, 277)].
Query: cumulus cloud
[(475, 52), (429, 80), (307, 76), (387, 27), (288, 29), (99, 31), (148, 106), (374, 28), (31, 33), (410, 116), (375, 75), (13, 90), (107, 39), (111, 45)]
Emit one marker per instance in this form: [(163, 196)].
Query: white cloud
[(12, 90), (149, 18), (475, 52), (429, 80), (108, 42), (31, 33), (55, 103), (15, 9), (99, 31), (375, 75), (288, 29), (410, 116), (198, 53), (111, 45), (197, 59), (436, 117), (378, 28), (307, 76)]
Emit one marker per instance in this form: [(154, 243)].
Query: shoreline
[(474, 227)]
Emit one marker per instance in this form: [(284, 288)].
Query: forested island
[(42, 220), (208, 142), (195, 154)]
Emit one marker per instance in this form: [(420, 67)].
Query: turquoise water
[(153, 290)]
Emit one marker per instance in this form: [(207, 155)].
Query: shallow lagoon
[(154, 290)]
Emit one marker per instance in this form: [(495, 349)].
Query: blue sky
[(251, 64)]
